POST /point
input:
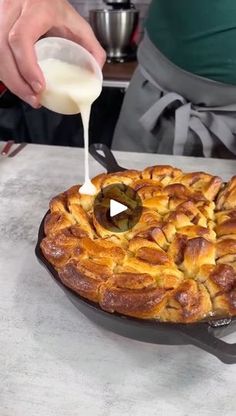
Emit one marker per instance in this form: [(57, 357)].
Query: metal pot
[(115, 30)]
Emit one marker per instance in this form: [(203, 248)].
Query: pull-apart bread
[(177, 264)]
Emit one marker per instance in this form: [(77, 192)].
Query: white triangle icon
[(116, 208)]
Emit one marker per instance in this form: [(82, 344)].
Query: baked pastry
[(177, 264)]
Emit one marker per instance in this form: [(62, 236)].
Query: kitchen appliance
[(116, 29), (204, 334)]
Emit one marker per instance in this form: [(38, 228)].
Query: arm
[(22, 23)]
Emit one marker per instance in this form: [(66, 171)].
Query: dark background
[(20, 122)]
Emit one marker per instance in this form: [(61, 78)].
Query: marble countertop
[(53, 360)]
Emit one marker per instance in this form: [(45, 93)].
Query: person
[(22, 23), (182, 97)]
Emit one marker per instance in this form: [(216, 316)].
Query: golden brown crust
[(227, 197), (79, 277), (58, 248), (177, 264), (142, 303), (188, 303)]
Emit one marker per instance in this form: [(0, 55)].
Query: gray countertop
[(53, 360)]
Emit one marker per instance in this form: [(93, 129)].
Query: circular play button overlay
[(117, 208)]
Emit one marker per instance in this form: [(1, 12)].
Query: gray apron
[(171, 111)]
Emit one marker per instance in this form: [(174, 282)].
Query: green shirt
[(197, 35)]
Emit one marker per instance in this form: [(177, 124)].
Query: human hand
[(22, 23)]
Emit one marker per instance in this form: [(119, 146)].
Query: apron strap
[(151, 117), (203, 121), (216, 124), (182, 119), (203, 133)]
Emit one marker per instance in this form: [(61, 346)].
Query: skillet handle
[(206, 340), (108, 161)]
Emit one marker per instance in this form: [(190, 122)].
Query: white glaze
[(71, 90), (88, 188)]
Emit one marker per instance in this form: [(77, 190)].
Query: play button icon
[(117, 208)]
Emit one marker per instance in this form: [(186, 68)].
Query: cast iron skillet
[(201, 334)]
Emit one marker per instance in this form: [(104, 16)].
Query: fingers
[(91, 43), (22, 37), (83, 34), (14, 82), (9, 74)]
